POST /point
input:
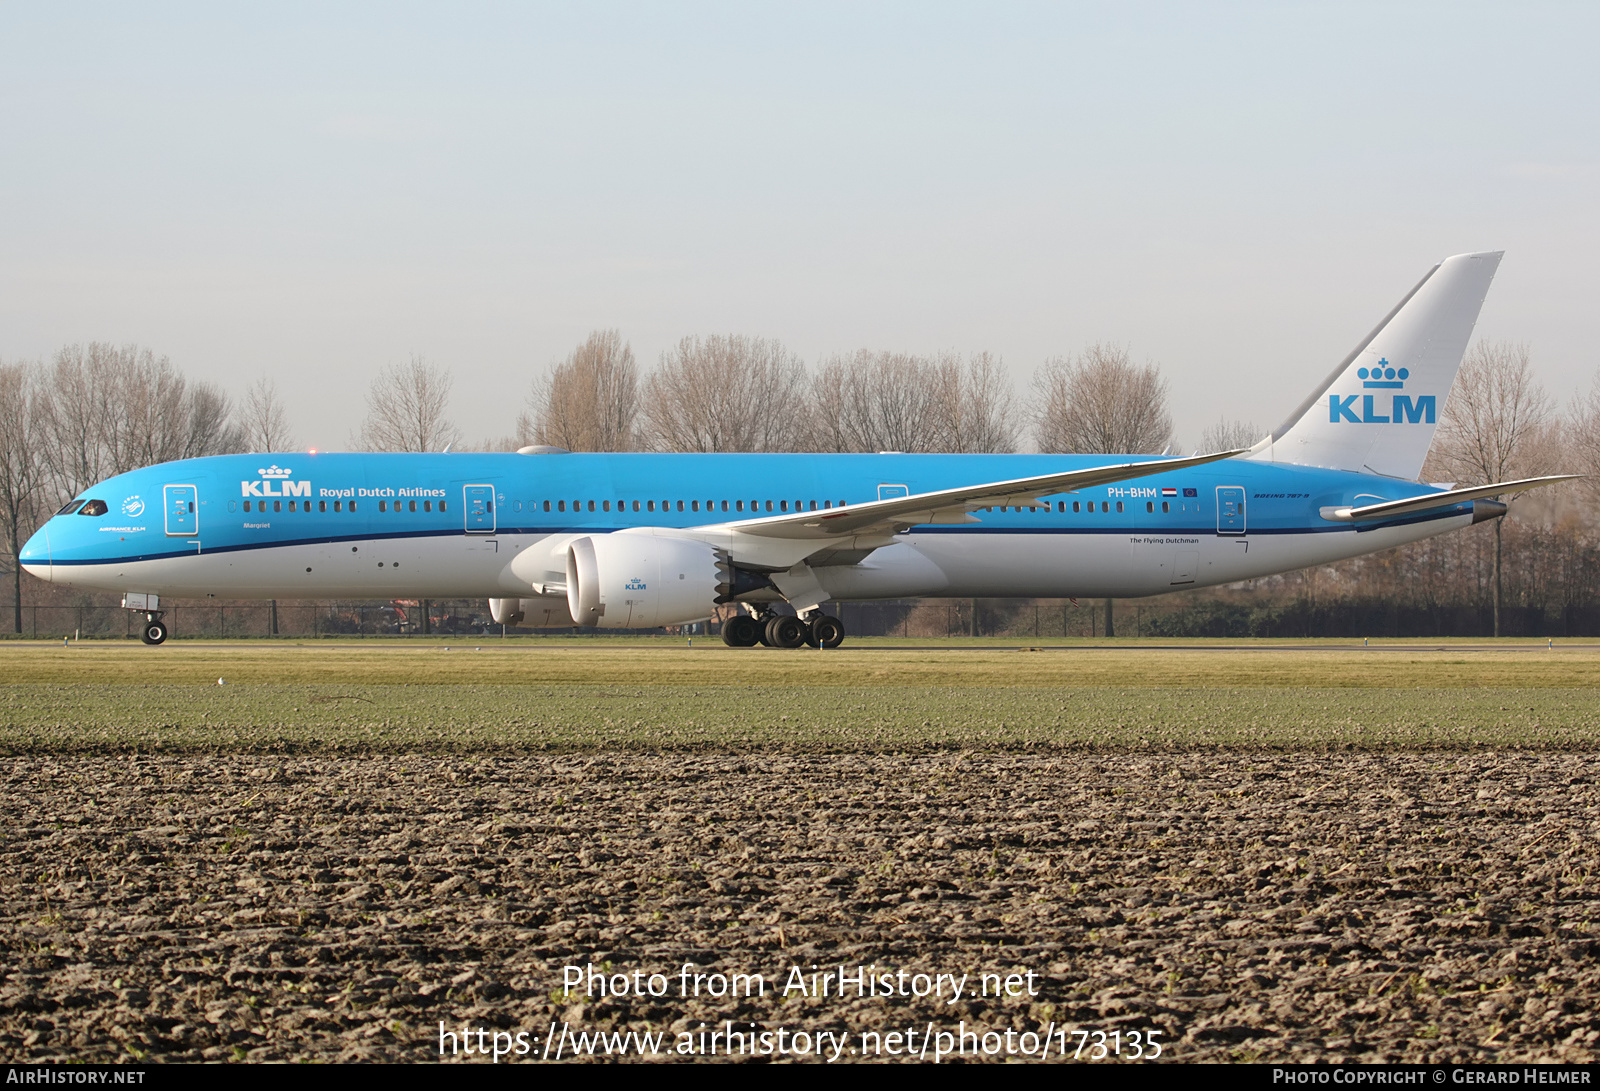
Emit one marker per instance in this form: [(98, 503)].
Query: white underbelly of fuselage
[(941, 564)]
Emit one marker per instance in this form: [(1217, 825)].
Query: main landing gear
[(783, 631), (155, 630)]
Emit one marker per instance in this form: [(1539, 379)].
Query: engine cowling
[(544, 612), (639, 581)]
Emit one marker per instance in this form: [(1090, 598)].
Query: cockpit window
[(94, 507), (70, 508)]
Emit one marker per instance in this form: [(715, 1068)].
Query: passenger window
[(694, 505), (70, 508), (353, 506), (606, 506), (441, 505), (724, 505), (827, 503), (1075, 507), (247, 505), (1149, 505), (322, 505), (739, 504), (769, 505), (338, 505), (562, 504), (783, 505), (547, 505), (1119, 507), (636, 505), (291, 506), (383, 505), (651, 504), (680, 505), (413, 505), (1165, 507), (591, 505), (277, 505), (813, 505)]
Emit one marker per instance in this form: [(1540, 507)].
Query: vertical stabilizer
[(1379, 409)]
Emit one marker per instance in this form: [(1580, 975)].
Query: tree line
[(98, 410)]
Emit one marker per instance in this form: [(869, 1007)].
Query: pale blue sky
[(1237, 192)]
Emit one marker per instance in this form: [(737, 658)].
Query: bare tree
[(263, 423), (887, 401), (107, 410), (977, 400), (730, 393), (1229, 435), (874, 401), (1101, 403), (1493, 428), (406, 409), (22, 467), (589, 401)]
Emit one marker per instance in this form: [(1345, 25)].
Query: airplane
[(631, 541)]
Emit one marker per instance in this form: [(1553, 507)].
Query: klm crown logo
[(281, 472), (1403, 409)]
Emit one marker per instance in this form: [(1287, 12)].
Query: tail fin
[(1379, 409)]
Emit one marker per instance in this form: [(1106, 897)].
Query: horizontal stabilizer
[(1389, 509), (951, 505)]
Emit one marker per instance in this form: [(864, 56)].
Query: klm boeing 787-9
[(634, 541)]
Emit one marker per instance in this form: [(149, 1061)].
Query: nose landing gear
[(155, 630)]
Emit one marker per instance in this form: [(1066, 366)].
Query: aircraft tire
[(827, 631), (785, 631), (741, 631), (154, 633)]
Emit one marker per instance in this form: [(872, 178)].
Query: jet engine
[(638, 581), (545, 612)]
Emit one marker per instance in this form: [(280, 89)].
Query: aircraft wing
[(952, 505), (1391, 508)]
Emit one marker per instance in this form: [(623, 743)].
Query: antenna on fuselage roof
[(447, 447)]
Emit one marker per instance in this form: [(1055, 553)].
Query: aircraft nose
[(35, 556)]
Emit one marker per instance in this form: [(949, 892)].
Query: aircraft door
[(479, 506), (1186, 563), (183, 521), (1230, 509)]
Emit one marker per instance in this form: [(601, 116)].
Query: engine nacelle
[(546, 612), (506, 611), (639, 581)]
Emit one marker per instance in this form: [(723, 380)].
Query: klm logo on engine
[(275, 482), (635, 584), (1402, 408)]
